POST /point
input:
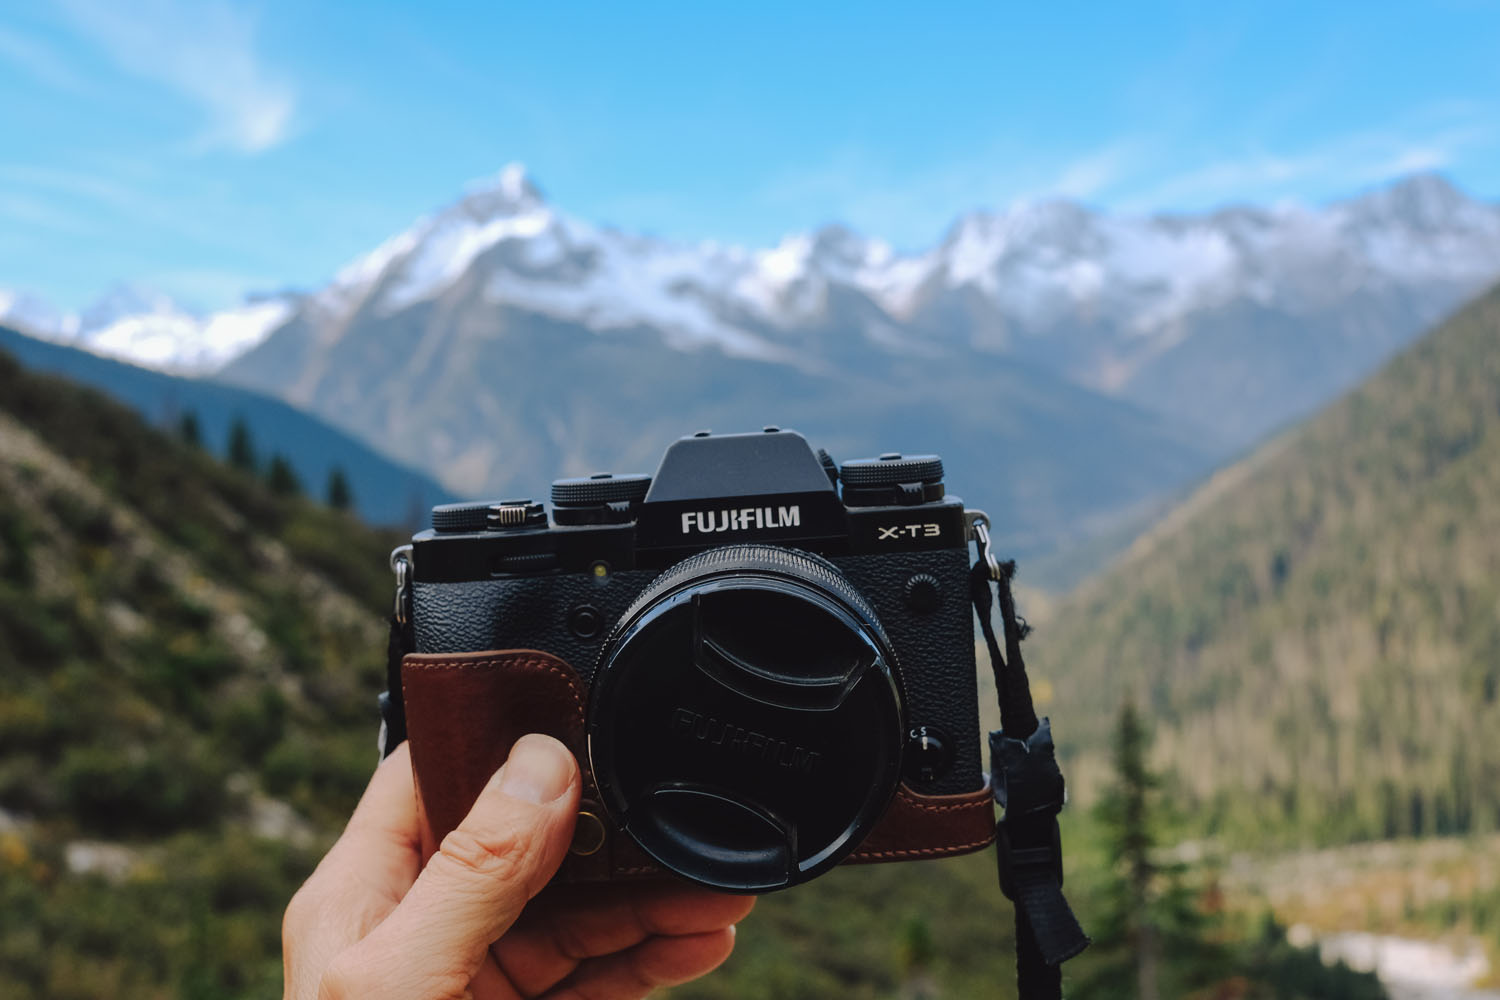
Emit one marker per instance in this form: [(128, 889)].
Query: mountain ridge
[(1097, 297), (1313, 632), (499, 341), (384, 491)]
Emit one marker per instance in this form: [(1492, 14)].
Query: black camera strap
[(1028, 786)]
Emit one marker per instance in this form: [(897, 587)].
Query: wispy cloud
[(30, 210), (192, 212), (1336, 165), (38, 60), (1088, 176), (1145, 172), (206, 51), (909, 208)]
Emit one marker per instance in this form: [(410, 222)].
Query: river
[(1408, 968)]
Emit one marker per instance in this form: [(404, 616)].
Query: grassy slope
[(182, 657), (1317, 631)]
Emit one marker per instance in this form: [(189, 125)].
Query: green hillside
[(384, 492), (187, 672), (1316, 633)]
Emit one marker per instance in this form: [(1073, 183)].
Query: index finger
[(381, 845), (359, 882)]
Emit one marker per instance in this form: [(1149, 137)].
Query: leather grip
[(464, 712)]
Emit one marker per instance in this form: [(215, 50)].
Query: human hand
[(371, 922)]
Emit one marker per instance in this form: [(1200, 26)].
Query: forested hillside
[(383, 491), (1315, 635), (188, 665)]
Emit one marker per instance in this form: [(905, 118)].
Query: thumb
[(473, 889)]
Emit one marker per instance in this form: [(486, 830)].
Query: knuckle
[(496, 859), (570, 939)]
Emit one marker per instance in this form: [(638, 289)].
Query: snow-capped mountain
[(540, 260), (148, 328), (1235, 321), (1086, 362), (1100, 298)]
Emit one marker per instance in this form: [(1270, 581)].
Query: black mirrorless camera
[(764, 662)]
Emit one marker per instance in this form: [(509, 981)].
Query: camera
[(763, 661)]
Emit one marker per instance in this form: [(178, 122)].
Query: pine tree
[(1150, 931), (241, 446), (282, 478), (1132, 843), (340, 496), (189, 431)]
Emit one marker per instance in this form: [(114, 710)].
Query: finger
[(360, 880), (560, 932), (472, 890), (654, 963), (381, 845)]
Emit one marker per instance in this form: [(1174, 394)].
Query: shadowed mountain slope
[(385, 492), (1316, 632)]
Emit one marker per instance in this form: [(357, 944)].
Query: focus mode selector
[(603, 498), (892, 479), (928, 754)]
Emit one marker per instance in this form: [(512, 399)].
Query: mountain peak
[(512, 191), (1421, 200)]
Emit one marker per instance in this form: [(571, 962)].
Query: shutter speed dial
[(603, 498), (893, 479)]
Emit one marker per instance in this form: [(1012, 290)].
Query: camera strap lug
[(1028, 786), (978, 523), (401, 567), (392, 709)]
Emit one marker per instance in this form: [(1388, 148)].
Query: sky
[(214, 148)]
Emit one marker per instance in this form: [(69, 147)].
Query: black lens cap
[(745, 723)]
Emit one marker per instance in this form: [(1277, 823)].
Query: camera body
[(761, 677)]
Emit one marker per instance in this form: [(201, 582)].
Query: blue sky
[(214, 147)]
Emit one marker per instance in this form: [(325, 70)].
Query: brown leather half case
[(464, 711)]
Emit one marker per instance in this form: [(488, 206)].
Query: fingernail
[(538, 771)]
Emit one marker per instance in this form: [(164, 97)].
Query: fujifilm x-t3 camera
[(763, 661)]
